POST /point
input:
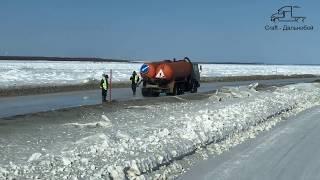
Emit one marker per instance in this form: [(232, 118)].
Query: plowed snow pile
[(138, 141)]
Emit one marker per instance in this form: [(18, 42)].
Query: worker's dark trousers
[(104, 95), (134, 88)]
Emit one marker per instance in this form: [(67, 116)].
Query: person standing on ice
[(104, 87), (134, 81)]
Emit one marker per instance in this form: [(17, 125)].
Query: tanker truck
[(170, 77)]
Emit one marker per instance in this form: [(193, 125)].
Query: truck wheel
[(180, 90), (175, 90), (145, 92), (155, 94), (194, 88)]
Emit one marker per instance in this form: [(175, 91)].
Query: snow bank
[(34, 157), (219, 70), (105, 123), (144, 140), (19, 73), (90, 125)]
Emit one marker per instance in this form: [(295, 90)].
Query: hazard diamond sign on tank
[(160, 74)]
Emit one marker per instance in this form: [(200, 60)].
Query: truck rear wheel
[(145, 92), (180, 89), (194, 87), (148, 92), (174, 90), (155, 94), (194, 90)]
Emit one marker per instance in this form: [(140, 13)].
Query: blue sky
[(215, 31)]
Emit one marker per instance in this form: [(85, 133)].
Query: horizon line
[(100, 59)]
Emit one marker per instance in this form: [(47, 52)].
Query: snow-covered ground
[(217, 70), (144, 141), (18, 73)]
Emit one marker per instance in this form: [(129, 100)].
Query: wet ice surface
[(20, 73), (137, 141)]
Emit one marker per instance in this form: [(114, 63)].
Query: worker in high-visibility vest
[(104, 85), (134, 81)]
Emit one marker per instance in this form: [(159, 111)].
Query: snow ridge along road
[(289, 151), (160, 134)]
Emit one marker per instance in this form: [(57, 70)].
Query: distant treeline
[(244, 63), (43, 58), (93, 59)]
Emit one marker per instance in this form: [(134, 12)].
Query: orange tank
[(148, 70), (173, 70)]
